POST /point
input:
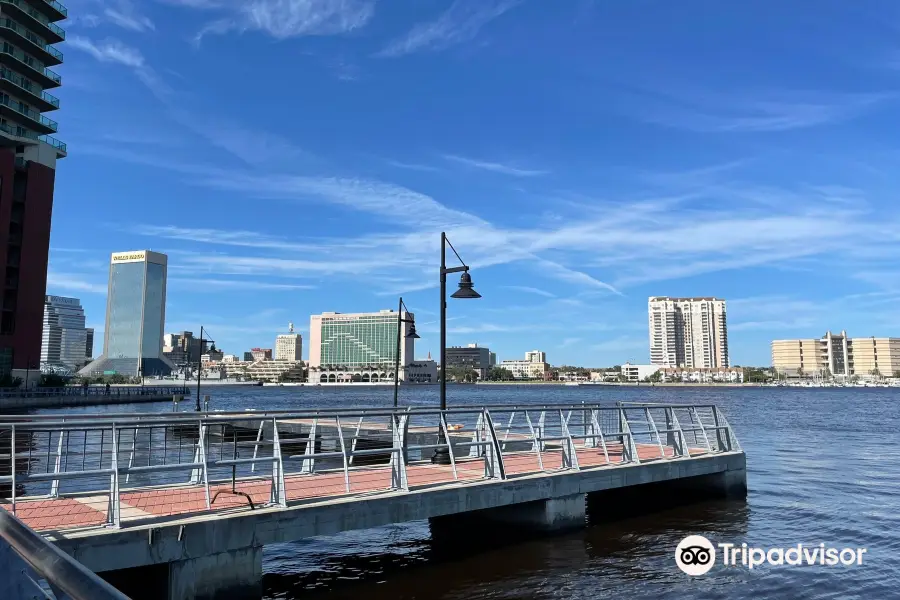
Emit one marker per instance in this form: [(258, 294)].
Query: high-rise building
[(289, 346), (27, 172), (472, 358), (135, 316), (688, 332), (89, 345), (64, 341), (835, 354), (359, 340)]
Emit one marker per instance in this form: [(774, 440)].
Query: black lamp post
[(465, 291), (412, 335), (199, 361)]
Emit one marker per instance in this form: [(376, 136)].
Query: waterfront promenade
[(201, 494)]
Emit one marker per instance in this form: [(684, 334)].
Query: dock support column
[(236, 575), (515, 520)]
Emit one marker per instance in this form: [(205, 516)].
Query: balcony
[(38, 121), (35, 19), (22, 133), (54, 10), (28, 40), (19, 61), (19, 86)]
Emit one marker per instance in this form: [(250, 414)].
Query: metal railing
[(24, 59), (117, 391), (37, 16), (275, 457), (25, 86), (32, 567)]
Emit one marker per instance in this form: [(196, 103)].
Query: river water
[(822, 464)]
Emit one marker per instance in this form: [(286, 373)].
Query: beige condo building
[(838, 355), (688, 332)]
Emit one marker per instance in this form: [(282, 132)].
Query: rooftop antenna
[(291, 327)]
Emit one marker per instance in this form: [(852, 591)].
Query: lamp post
[(411, 335), (199, 362), (465, 291)]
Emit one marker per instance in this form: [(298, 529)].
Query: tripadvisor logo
[(696, 555)]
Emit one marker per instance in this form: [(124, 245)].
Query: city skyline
[(574, 186)]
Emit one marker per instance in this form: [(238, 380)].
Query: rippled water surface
[(823, 466)]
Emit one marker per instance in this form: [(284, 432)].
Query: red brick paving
[(65, 513)]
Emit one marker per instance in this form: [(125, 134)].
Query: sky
[(300, 156)]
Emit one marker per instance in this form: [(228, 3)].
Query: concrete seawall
[(26, 402)]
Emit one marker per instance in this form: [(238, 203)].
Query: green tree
[(654, 377), (49, 380)]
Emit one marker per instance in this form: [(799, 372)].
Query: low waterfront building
[(533, 367), (837, 355), (472, 358), (701, 375), (261, 353), (634, 373), (275, 370)]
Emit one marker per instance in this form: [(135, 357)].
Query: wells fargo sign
[(128, 256)]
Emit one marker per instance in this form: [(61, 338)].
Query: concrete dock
[(201, 536)]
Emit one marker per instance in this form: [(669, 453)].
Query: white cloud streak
[(750, 113), (494, 167), (283, 19), (109, 51), (458, 24)]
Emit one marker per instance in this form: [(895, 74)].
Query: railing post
[(356, 438), (133, 449), (535, 444), (340, 432), (259, 434), (569, 456), (632, 450), (693, 412), (662, 451), (399, 429), (12, 466), (204, 472), (450, 451), (113, 511), (474, 451), (595, 426), (680, 446), (541, 430), (309, 466), (493, 457), (278, 493), (54, 485)]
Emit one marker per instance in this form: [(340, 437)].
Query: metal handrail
[(103, 452), (61, 571)]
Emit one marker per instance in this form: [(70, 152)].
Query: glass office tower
[(135, 317)]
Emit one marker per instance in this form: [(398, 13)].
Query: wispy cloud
[(458, 24), (109, 50), (569, 342), (234, 284), (124, 14), (750, 112), (494, 166), (530, 290), (73, 282), (284, 19), (412, 166)]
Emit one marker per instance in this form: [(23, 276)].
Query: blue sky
[(299, 156)]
